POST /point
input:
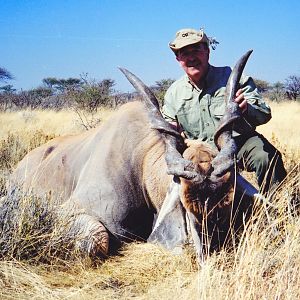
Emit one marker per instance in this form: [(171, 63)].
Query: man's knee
[(264, 159), (256, 149)]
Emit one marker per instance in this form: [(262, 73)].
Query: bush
[(292, 87), (160, 88), (31, 229), (262, 85), (92, 95), (276, 92)]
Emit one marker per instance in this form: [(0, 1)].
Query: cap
[(188, 36)]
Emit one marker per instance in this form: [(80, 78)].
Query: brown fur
[(215, 206), (201, 154)]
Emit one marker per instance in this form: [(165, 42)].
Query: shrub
[(31, 229)]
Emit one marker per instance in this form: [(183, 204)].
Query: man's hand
[(196, 143), (240, 99)]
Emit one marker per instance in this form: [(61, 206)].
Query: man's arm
[(168, 109), (255, 110)]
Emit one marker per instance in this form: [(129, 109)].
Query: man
[(196, 103)]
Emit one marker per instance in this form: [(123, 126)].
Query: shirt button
[(207, 124), (203, 109)]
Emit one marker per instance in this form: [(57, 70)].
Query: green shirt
[(199, 111)]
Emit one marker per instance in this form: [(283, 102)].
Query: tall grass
[(283, 131), (265, 264), (50, 122)]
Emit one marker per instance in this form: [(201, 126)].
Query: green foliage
[(61, 85), (92, 94), (160, 89), (7, 89)]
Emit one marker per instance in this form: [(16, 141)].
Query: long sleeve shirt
[(200, 111)]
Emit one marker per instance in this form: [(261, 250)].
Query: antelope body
[(133, 178)]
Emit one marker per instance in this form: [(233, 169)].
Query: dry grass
[(139, 268), (50, 122), (284, 124), (264, 265), (283, 131)]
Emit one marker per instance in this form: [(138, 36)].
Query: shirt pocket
[(186, 94), (217, 110), (189, 120)]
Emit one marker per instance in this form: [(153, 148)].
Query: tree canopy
[(292, 86), (5, 75)]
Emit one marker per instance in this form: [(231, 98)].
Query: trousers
[(257, 154)]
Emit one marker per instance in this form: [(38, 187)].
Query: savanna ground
[(264, 264)]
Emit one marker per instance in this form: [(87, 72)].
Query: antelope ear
[(170, 229)]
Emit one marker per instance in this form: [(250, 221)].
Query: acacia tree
[(292, 87), (5, 75), (86, 99), (6, 91), (7, 97), (61, 85), (160, 89)]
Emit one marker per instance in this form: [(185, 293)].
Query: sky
[(64, 38)]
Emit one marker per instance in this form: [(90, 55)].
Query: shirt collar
[(207, 79)]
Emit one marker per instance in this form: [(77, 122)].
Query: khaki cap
[(188, 36)]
